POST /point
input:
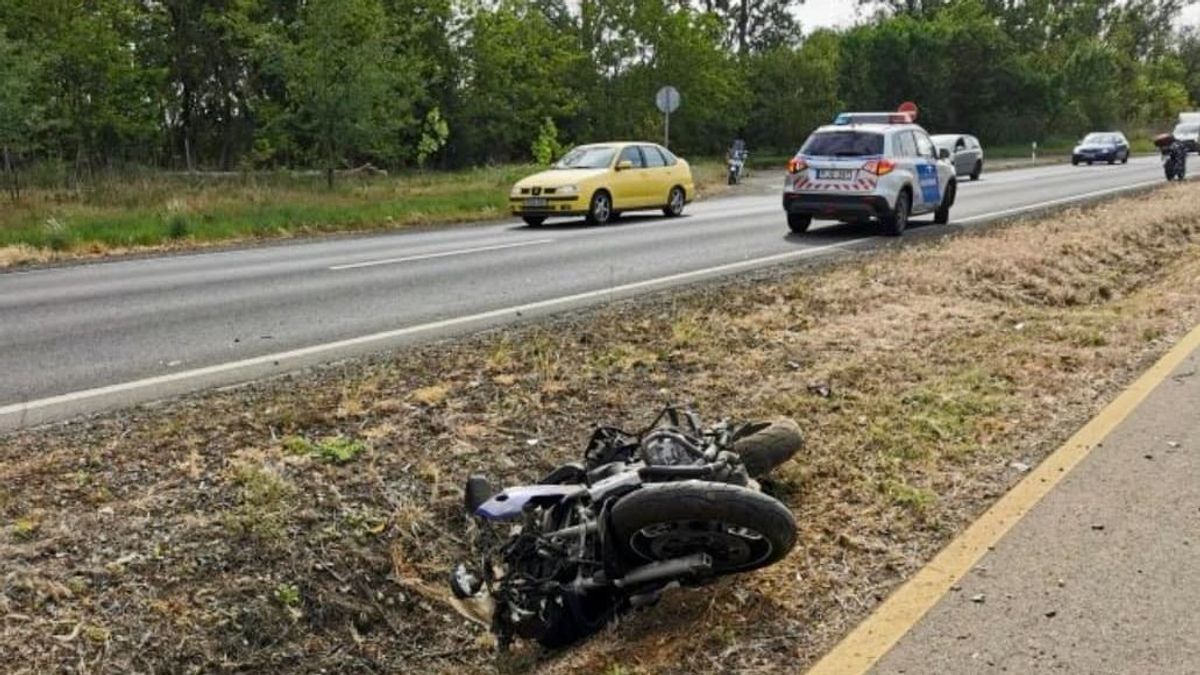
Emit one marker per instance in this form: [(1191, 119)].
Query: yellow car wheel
[(600, 209), (675, 202)]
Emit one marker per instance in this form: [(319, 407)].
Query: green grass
[(150, 209), (336, 450)]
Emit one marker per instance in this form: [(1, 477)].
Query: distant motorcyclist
[(1174, 156), (735, 160)]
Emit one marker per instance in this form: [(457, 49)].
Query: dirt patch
[(306, 523)]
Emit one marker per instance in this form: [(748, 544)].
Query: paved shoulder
[(1102, 576)]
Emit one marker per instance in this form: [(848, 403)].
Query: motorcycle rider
[(735, 160), (1174, 154), (1178, 156)]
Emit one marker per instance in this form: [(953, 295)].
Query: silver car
[(1188, 133), (869, 166), (965, 153)]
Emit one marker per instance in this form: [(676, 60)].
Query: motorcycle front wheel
[(739, 528), (766, 445)]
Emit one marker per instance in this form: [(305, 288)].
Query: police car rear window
[(843, 144)]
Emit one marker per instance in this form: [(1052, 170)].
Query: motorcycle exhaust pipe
[(667, 569)]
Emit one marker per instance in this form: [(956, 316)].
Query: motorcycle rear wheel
[(739, 528)]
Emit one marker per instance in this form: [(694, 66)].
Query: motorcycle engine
[(666, 448)]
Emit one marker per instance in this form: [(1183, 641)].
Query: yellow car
[(603, 180)]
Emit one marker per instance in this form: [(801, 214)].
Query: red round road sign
[(910, 108)]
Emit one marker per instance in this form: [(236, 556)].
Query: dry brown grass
[(187, 537)]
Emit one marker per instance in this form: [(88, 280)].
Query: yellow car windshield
[(587, 158)]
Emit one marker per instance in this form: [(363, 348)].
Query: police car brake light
[(796, 165), (879, 167)]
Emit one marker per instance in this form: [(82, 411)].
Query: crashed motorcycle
[(675, 505)]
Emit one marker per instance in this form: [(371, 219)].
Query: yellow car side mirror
[(624, 164)]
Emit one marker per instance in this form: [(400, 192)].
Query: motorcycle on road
[(735, 162), (1174, 156), (676, 505)]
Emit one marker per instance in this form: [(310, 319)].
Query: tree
[(517, 71), (207, 48), (336, 76), (99, 98), (794, 90), (753, 25), (18, 72)]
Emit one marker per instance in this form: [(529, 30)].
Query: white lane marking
[(1054, 202), (133, 385), (443, 254)]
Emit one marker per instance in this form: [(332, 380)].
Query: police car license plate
[(535, 202), (834, 174)]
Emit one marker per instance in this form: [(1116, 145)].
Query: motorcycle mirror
[(477, 491)]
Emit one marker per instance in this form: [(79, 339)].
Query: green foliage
[(335, 450), (517, 71), (287, 595), (336, 79), (546, 147), (87, 87), (433, 136)]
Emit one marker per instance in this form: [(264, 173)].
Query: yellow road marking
[(862, 648)]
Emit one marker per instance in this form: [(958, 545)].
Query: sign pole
[(667, 100)]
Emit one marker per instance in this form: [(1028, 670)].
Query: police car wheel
[(895, 222), (799, 222), (942, 215)]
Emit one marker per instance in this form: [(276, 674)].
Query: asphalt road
[(1101, 576), (82, 338)]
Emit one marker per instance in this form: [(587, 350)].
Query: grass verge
[(157, 211), (306, 523)]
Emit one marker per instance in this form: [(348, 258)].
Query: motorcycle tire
[(741, 529), (766, 445)]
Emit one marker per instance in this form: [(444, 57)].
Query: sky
[(841, 13)]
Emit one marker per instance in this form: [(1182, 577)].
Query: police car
[(864, 166)]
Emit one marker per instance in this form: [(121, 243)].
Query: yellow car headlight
[(568, 190), (515, 192)]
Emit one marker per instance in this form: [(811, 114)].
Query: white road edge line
[(17, 408), (1054, 202), (443, 254)]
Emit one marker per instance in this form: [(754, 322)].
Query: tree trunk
[(743, 26), (14, 188), (329, 159)]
